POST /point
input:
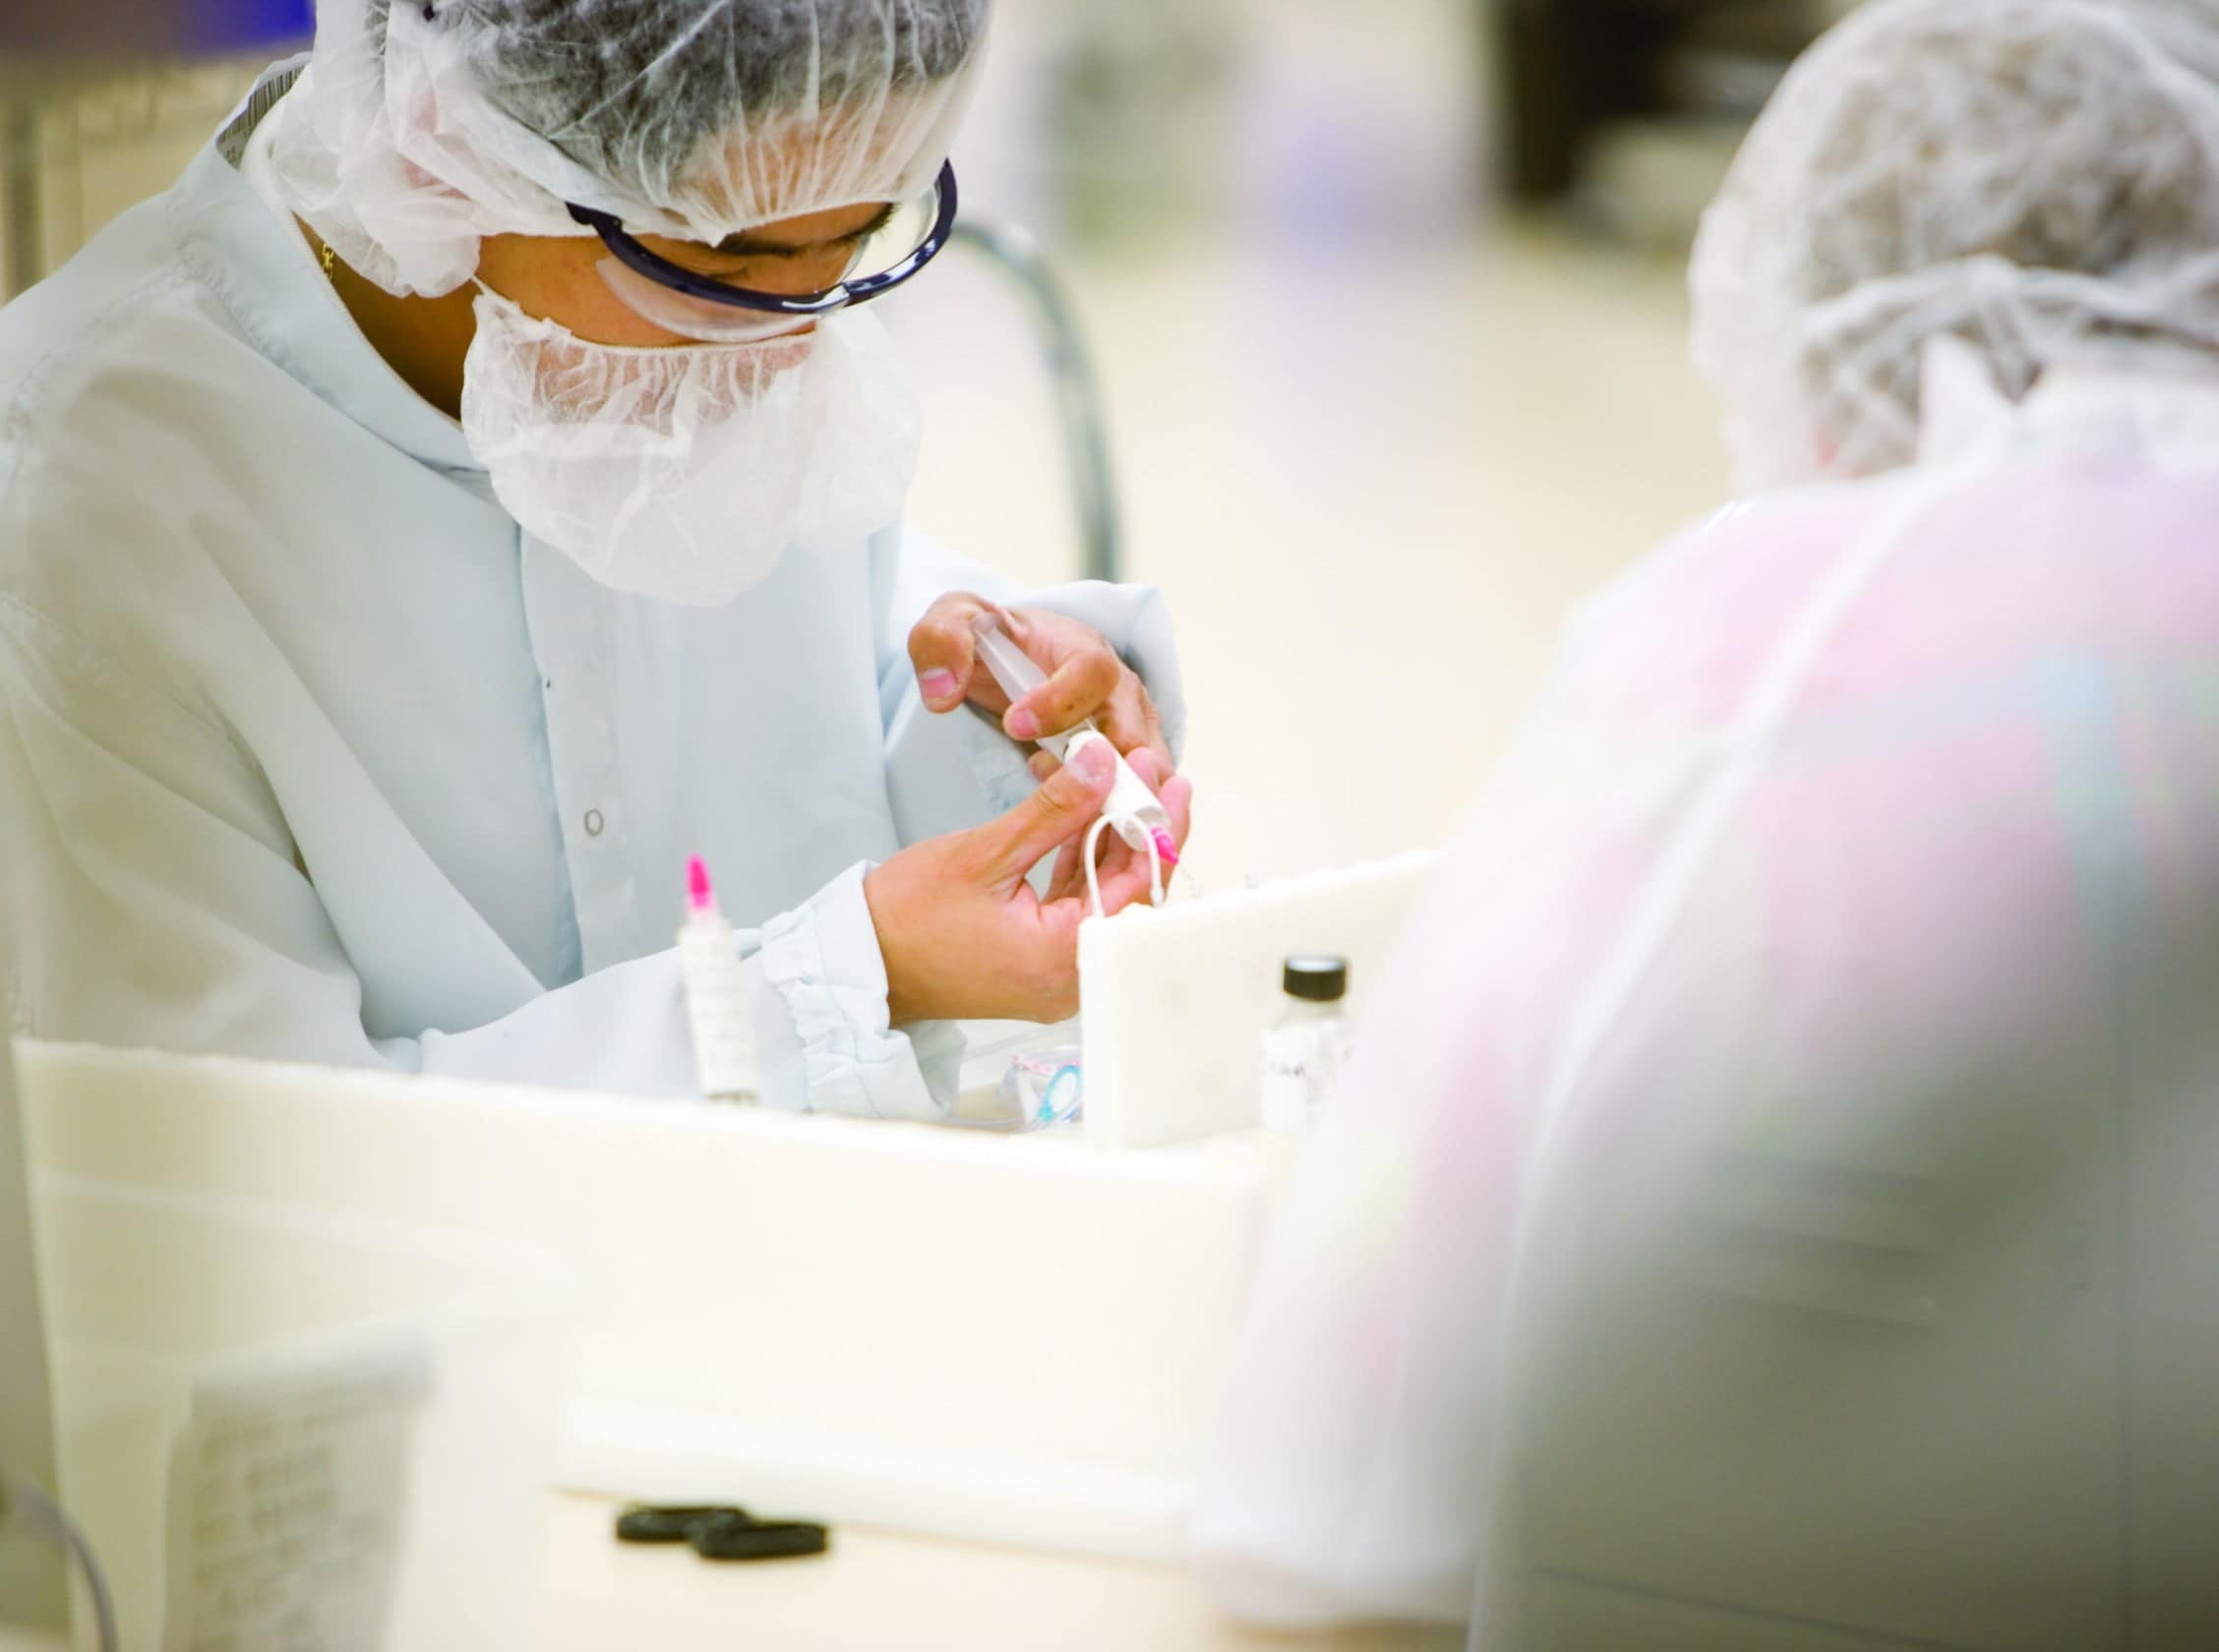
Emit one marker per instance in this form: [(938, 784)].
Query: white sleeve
[(823, 1039)]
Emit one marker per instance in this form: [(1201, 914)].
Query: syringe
[(1133, 811)]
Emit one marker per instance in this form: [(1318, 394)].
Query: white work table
[(877, 1592), (880, 1593), (739, 1285)]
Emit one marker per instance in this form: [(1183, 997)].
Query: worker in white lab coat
[(1863, 846), (477, 486)]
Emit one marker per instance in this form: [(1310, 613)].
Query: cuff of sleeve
[(826, 1040)]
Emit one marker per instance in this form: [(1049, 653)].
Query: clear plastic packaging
[(1044, 1088), (1019, 1076)]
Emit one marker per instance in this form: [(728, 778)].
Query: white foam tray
[(1176, 999)]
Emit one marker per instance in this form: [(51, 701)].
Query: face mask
[(686, 473)]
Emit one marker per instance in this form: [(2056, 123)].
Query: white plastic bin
[(1013, 1340), (286, 1431)]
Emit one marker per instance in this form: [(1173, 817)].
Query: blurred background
[(1386, 303)]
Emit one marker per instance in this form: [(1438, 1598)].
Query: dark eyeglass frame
[(663, 273)]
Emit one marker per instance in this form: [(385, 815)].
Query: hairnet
[(422, 127), (2038, 178)]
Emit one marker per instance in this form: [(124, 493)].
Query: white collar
[(255, 262), (2163, 416)]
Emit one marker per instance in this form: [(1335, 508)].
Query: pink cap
[(700, 895)]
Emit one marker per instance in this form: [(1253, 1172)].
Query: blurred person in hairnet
[(476, 486), (1886, 798)]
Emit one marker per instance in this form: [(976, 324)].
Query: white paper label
[(1287, 1079), (287, 1501)]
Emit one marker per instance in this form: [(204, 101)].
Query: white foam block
[(1014, 1339), (1174, 1001)]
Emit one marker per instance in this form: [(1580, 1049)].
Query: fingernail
[(1094, 762), (937, 684), (1023, 724)]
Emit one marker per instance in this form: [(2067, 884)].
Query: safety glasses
[(696, 305)]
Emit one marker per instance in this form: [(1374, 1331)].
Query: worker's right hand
[(964, 935)]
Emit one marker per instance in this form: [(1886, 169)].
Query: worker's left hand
[(1084, 677), (963, 934)]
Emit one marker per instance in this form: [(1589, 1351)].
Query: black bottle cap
[(1320, 979), (642, 1523), (737, 1538)]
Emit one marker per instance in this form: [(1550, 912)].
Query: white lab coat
[(308, 752)]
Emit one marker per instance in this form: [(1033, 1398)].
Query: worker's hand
[(1084, 677), (962, 932)]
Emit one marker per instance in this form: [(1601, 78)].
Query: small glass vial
[(1307, 1047)]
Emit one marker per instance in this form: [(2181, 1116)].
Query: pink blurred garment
[(1843, 797)]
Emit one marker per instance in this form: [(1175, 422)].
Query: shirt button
[(593, 823)]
